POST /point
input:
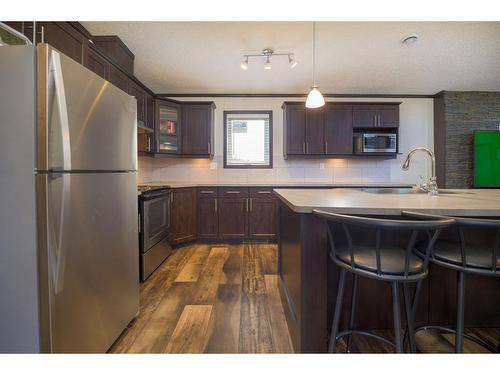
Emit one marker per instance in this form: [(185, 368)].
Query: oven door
[(156, 220), (379, 143)]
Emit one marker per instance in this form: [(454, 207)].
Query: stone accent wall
[(465, 112)]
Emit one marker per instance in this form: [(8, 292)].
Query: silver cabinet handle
[(264, 192), (250, 204), (43, 34), (233, 192), (378, 117), (326, 147), (303, 147), (247, 204), (209, 147), (307, 147), (207, 192), (215, 205)]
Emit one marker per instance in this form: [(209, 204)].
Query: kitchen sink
[(388, 190)]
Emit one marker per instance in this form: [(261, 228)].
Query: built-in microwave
[(375, 143)]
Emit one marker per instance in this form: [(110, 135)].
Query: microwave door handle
[(62, 109)]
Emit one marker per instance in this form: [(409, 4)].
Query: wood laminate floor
[(225, 299)]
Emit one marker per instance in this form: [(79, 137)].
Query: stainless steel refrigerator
[(68, 227)]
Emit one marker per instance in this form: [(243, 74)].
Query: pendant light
[(314, 98)]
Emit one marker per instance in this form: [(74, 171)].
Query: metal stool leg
[(397, 317), (353, 310), (459, 339), (332, 347), (409, 319)]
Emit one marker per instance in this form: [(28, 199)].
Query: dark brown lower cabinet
[(233, 218), (262, 218), (183, 217), (208, 218)]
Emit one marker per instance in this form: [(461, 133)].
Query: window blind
[(248, 139)]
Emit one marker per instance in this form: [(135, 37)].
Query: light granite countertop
[(460, 202), (273, 184)]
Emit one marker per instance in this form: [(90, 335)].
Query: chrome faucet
[(429, 186)]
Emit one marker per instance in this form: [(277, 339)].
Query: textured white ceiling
[(351, 57)]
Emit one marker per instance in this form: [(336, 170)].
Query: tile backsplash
[(416, 129)]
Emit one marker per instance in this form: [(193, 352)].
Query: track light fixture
[(267, 54)]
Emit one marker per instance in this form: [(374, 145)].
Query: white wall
[(416, 129)]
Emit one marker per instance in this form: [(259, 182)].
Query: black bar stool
[(396, 264), (464, 254)]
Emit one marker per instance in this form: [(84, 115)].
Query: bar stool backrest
[(348, 223), (469, 231)]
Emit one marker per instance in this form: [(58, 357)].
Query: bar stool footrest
[(363, 333), (482, 343)]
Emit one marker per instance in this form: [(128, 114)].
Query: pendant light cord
[(314, 53)]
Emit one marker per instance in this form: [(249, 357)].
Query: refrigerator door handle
[(57, 252), (62, 110)]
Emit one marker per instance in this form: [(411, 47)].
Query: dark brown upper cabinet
[(167, 127), (117, 51), (139, 94), (376, 115), (327, 132), (95, 62), (294, 129), (338, 130), (388, 115), (314, 131), (118, 78), (198, 129), (62, 37)]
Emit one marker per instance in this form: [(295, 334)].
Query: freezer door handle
[(57, 218), (62, 110)]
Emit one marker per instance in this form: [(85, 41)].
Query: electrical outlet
[(213, 165), (321, 165)]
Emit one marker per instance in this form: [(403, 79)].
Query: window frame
[(252, 112)]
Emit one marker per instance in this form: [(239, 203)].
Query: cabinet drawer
[(264, 192), (205, 192), (235, 192)]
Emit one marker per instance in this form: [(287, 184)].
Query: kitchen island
[(308, 279)]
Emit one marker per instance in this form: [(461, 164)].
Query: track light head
[(267, 65), (291, 62), (244, 63)]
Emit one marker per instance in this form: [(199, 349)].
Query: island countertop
[(457, 202)]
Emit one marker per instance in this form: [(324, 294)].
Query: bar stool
[(395, 264), (454, 251)]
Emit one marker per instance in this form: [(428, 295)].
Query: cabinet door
[(62, 37), (95, 62), (388, 116), (364, 116), (196, 129), (140, 95), (233, 217), (183, 225), (295, 129), (208, 223), (118, 78), (314, 131), (263, 218), (167, 127), (150, 111), (338, 130)]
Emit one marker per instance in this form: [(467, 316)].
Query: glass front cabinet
[(168, 127)]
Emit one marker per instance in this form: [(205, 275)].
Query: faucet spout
[(431, 185)]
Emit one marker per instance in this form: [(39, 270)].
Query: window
[(248, 139)]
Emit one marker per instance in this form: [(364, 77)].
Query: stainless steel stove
[(154, 227)]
